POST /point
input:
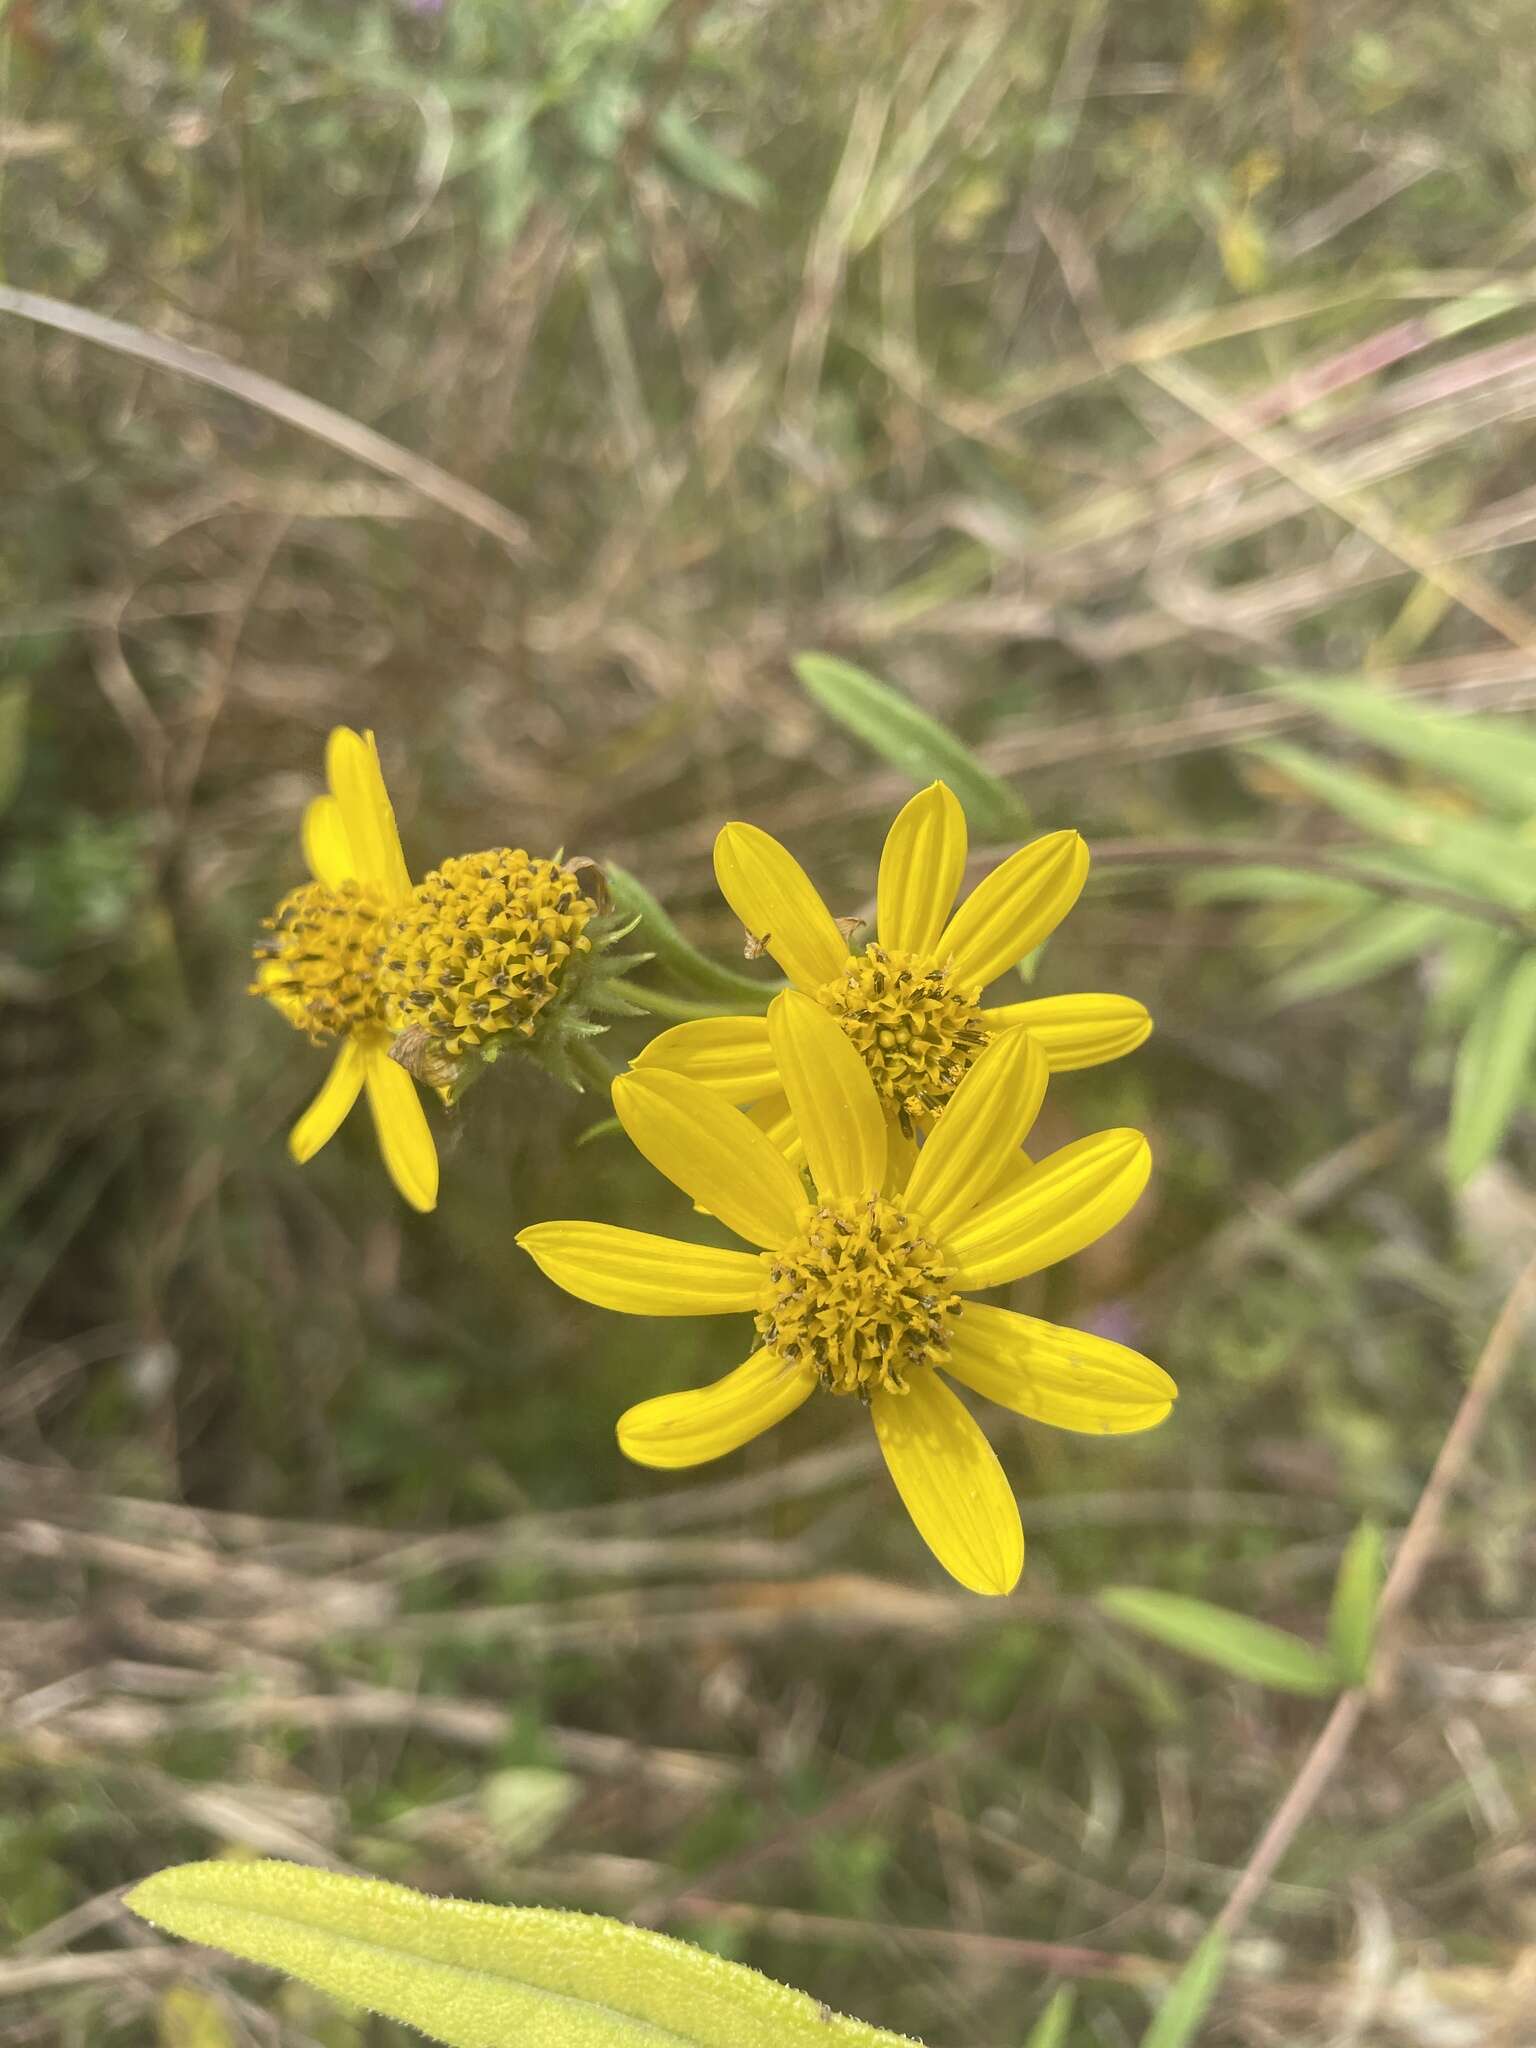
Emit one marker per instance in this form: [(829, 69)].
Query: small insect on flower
[(321, 964), (910, 1000), (857, 1290)]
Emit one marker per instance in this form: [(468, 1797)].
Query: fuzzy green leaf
[(1181, 2013), (1250, 1649), (1494, 1063), (1488, 862), (1494, 758), (473, 1976), (1356, 1592), (893, 727), (681, 959)]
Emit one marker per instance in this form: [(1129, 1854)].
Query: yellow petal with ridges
[(1076, 1031), (979, 1131), (729, 1054), (920, 869), (327, 849), (643, 1275), (775, 1117), (832, 1098), (357, 782), (777, 902), (405, 1137), (712, 1152), (1068, 1378), (1065, 1202), (900, 1158), (1011, 910), (676, 1430), (951, 1483), (328, 1112)]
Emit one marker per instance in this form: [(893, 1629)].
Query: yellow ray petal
[(1076, 1031), (729, 1054), (775, 1117), (775, 899), (951, 1483), (1014, 1169), (328, 1112), (831, 1096), (920, 870), (979, 1131), (405, 1137), (327, 849), (690, 1429), (1062, 1204), (641, 1274), (1068, 1378), (357, 783), (1011, 910), (900, 1158), (712, 1152)]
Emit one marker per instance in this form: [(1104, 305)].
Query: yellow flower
[(856, 1289), (321, 966), (911, 1000)]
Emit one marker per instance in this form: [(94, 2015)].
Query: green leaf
[(1250, 1649), (474, 1976), (1487, 862), (1495, 758), (1493, 1065), (15, 699), (1178, 2018), (1356, 1592), (893, 727), (682, 960), (1260, 884), (692, 153), (1370, 945), (1050, 2030)]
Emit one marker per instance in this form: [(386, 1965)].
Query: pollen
[(482, 945), (320, 967), (861, 1298), (918, 1032)]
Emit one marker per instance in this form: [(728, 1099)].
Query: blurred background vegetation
[(1079, 368)]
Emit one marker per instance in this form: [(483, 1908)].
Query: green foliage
[(1182, 2013), (1495, 1061), (679, 958), (1051, 2029), (473, 1976), (1352, 1616), (1249, 1649), (894, 728)]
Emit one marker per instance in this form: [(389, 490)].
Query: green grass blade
[(1179, 2017), (1050, 2030), (473, 1976), (893, 727), (1356, 1592), (1494, 758), (1491, 863), (1494, 1064), (1232, 1642)]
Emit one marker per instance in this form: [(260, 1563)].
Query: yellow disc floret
[(481, 946), (916, 1030), (861, 1298), (321, 965)]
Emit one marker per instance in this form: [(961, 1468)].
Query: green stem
[(593, 1070), (679, 1007)]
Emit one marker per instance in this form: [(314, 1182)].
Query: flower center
[(860, 1298), (481, 945), (321, 965), (917, 1033)]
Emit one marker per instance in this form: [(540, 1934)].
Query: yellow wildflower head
[(910, 1001), (482, 945), (320, 965), (856, 1287)]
